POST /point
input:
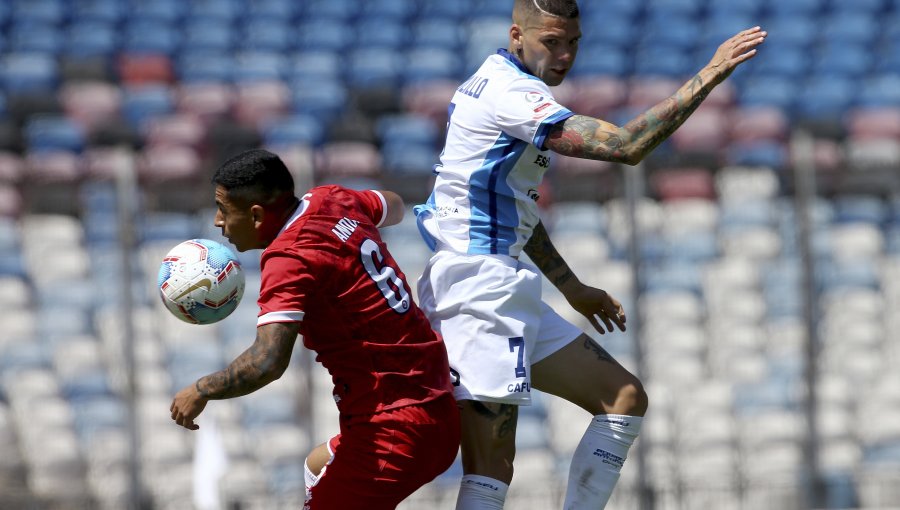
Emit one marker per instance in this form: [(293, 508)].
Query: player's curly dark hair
[(562, 8), (255, 176)]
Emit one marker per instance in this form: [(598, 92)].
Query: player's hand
[(736, 50), (598, 306), (188, 404)]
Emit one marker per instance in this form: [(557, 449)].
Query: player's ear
[(257, 214), (515, 38)]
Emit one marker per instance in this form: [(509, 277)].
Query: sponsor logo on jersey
[(534, 97), (522, 387)]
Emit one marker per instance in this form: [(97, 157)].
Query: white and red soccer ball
[(201, 281)]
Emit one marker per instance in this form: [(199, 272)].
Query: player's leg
[(488, 447), (315, 462), (383, 458), (583, 373)]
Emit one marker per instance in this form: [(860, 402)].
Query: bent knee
[(632, 399)]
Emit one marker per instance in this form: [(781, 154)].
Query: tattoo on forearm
[(545, 256), (584, 137), (260, 364), (600, 352)]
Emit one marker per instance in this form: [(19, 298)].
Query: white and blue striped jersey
[(493, 161)]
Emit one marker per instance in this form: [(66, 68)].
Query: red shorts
[(379, 460)]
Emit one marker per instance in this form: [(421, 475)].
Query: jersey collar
[(503, 52)]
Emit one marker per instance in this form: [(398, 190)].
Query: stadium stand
[(356, 92)]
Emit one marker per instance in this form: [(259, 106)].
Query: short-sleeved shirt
[(486, 188), (329, 270)]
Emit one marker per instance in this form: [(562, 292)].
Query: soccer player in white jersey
[(502, 339)]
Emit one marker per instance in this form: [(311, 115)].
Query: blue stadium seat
[(399, 159), (252, 66), (880, 91), (204, 66), (90, 38), (795, 7), (690, 8), (326, 34), (225, 10), (53, 12), (790, 30), (787, 61), (381, 32), (24, 37), (425, 64), (141, 103), (776, 91), (595, 12), (860, 208), (663, 60), (28, 73), (825, 97), (165, 226), (207, 35), (849, 27), (294, 129), (53, 133), (621, 35), (834, 275), (602, 60), (847, 59), (679, 274), (394, 9), (164, 11), (267, 35), (696, 247), (407, 129), (436, 32), (763, 153), (491, 8), (312, 66), (144, 36), (373, 67), (443, 10), (323, 99), (100, 11), (320, 10), (280, 9)]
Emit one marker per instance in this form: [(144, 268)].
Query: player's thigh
[(488, 438), (585, 374)]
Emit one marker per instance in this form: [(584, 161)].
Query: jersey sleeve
[(528, 111), (373, 204), (287, 283)]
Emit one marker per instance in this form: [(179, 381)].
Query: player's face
[(548, 47), (236, 221)]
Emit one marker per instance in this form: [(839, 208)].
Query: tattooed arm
[(265, 361), (585, 137), (595, 304)]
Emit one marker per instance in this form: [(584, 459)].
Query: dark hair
[(255, 176), (562, 8)]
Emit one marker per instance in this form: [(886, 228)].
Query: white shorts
[(495, 325)]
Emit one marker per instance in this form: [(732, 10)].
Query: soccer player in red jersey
[(327, 275)]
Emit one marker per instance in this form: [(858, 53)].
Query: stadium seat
[(34, 37), (296, 129), (257, 102), (138, 69), (175, 129), (266, 35), (373, 67), (348, 159), (432, 64), (259, 66), (27, 73), (53, 133), (140, 103), (144, 36), (90, 103), (102, 11), (882, 90), (324, 35), (208, 101), (749, 124), (205, 34), (165, 164), (325, 99)]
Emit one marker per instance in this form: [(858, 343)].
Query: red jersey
[(329, 270)]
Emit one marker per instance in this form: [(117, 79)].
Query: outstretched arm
[(591, 302), (585, 137), (265, 361)]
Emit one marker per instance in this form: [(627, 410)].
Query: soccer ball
[(201, 281)]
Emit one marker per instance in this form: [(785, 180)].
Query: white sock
[(598, 460), (309, 479), (481, 493)]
